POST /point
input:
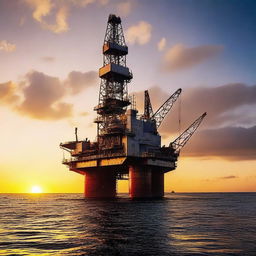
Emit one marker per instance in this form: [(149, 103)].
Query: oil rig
[(128, 145)]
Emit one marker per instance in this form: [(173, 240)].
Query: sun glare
[(36, 189)]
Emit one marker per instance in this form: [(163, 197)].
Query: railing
[(98, 119), (121, 153), (92, 157), (158, 155)]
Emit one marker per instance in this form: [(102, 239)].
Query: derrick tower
[(113, 95), (128, 145)]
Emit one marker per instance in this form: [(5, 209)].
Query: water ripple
[(219, 224)]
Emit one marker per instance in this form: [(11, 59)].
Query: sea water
[(179, 224)]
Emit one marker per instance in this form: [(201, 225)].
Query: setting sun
[(36, 189)]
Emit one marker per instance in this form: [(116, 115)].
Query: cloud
[(103, 2), (220, 178), (226, 105), (7, 46), (84, 113), (225, 132), (161, 44), (61, 24), (42, 98), (180, 57), (233, 143), (228, 177), (139, 34), (48, 59), (78, 81), (82, 3), (43, 8), (124, 8), (8, 93)]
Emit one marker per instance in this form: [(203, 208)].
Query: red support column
[(157, 183), (139, 182), (100, 183)]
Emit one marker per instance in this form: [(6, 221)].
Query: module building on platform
[(128, 145)]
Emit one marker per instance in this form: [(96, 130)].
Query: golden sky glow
[(49, 60)]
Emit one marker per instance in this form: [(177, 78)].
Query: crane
[(160, 114), (180, 142), (148, 110)]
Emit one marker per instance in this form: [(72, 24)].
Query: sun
[(36, 189)]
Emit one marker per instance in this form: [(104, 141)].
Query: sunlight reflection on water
[(180, 224)]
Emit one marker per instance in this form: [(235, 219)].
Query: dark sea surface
[(180, 224)]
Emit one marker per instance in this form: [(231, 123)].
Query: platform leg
[(157, 184), (139, 182), (100, 184)]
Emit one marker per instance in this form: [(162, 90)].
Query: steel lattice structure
[(148, 110), (128, 145), (113, 95), (180, 142), (160, 114)]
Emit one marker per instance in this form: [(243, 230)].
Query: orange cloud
[(48, 59), (61, 24), (7, 46), (83, 3), (180, 57), (124, 8), (42, 95), (161, 44), (78, 81), (42, 98), (43, 8), (228, 177), (60, 9), (139, 34), (8, 93)]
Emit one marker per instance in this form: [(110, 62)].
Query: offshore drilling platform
[(128, 146)]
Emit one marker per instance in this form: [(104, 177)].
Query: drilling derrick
[(127, 145), (113, 96)]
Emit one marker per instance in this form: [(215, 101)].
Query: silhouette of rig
[(128, 146)]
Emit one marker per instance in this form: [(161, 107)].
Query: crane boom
[(160, 114), (148, 110), (180, 142)]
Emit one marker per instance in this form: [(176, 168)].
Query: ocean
[(180, 224)]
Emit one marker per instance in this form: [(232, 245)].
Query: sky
[(50, 53)]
